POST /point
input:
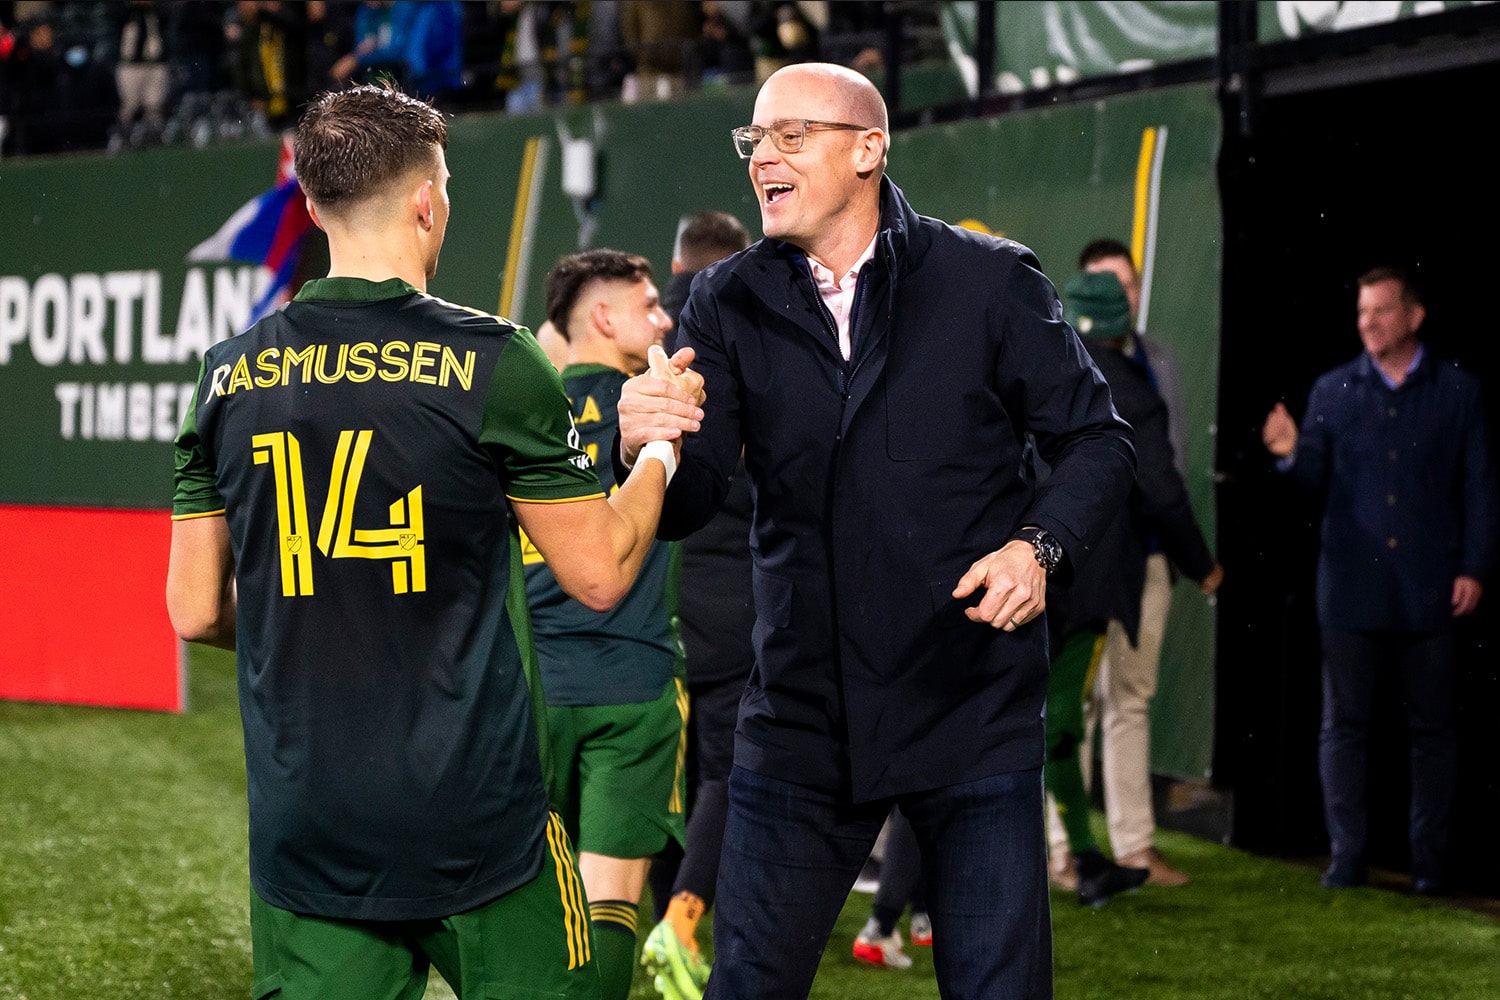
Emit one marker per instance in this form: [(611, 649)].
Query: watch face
[(1048, 550)]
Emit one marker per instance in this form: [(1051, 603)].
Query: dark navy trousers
[(1353, 663), (791, 855)]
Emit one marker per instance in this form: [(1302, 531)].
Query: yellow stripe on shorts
[(575, 911)]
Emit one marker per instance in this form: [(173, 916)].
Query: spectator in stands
[(197, 53), (141, 73), (856, 35), (608, 61), (271, 61), (56, 103), (659, 37), (523, 55), (783, 33), (375, 31), (433, 58), (330, 34), (420, 45), (724, 49)]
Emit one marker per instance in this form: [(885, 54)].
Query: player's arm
[(595, 547), (201, 597), (200, 581)]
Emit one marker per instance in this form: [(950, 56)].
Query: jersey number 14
[(403, 543)]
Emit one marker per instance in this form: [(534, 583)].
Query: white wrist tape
[(662, 452)]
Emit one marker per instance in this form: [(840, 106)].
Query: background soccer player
[(616, 698)]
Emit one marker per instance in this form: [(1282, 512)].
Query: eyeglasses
[(788, 134)]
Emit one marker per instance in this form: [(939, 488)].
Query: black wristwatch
[(1049, 551)]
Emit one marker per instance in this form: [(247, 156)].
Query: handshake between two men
[(661, 404)]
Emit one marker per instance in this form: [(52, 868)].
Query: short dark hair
[(1410, 294), (710, 236), (1102, 249), (566, 281), (352, 143)]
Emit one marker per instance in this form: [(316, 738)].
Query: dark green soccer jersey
[(626, 655), (361, 443)]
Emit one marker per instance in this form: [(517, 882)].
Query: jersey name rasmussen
[(424, 361)]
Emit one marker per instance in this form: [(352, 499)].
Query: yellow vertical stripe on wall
[(1142, 198), (518, 224), (575, 911)]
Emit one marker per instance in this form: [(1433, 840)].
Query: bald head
[(854, 98)]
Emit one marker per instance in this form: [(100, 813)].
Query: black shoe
[(1339, 876), (1099, 878)]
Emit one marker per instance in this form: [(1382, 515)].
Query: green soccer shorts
[(618, 772), (532, 942)]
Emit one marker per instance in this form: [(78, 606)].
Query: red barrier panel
[(83, 616)]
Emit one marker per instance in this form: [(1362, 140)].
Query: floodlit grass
[(123, 873)]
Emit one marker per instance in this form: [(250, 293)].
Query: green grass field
[(123, 874)]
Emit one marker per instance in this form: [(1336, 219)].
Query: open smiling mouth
[(775, 192)]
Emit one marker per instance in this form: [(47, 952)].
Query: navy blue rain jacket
[(878, 481)]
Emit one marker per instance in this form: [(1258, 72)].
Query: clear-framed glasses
[(788, 134)]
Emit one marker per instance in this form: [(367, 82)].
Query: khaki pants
[(143, 87), (1121, 705)]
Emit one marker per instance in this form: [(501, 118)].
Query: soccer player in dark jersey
[(348, 485), (616, 698)]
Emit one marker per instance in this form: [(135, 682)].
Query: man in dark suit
[(882, 371), (1397, 440)]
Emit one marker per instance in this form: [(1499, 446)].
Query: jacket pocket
[(948, 611), (773, 600)]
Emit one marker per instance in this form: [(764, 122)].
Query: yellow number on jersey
[(403, 543), (284, 455)]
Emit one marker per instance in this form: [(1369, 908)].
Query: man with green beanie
[(1109, 586)]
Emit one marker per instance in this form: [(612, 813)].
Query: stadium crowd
[(123, 74)]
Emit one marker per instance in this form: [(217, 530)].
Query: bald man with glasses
[(883, 372)]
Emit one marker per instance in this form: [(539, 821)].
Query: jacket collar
[(1366, 368)]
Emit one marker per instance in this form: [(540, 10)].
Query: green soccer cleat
[(678, 972)]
